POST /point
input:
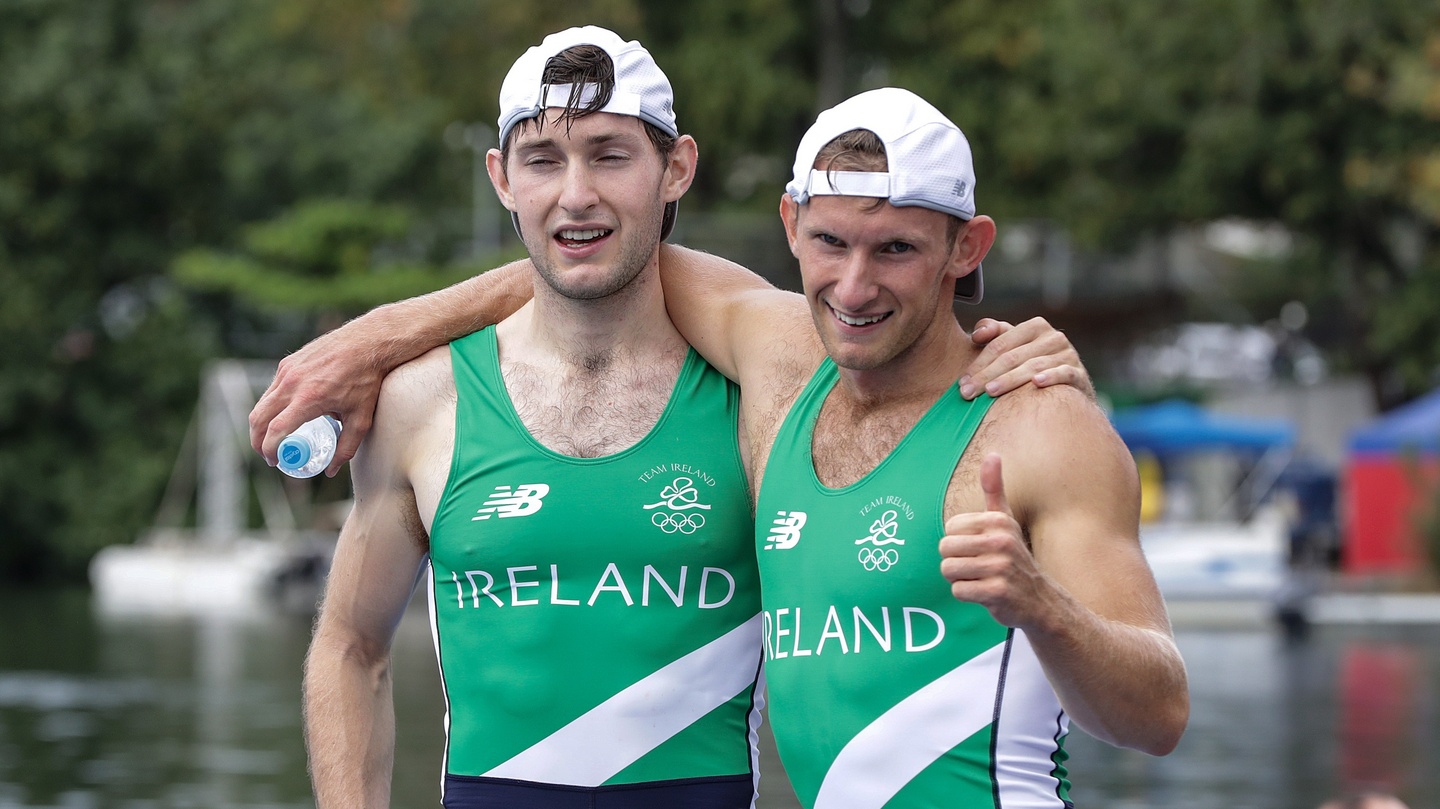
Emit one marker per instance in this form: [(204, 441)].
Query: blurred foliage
[(1119, 119), (129, 131), (324, 256), (183, 180)]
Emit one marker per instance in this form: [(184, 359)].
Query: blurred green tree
[(325, 257), (1120, 120), (131, 130)]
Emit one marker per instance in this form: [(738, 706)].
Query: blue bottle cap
[(294, 453)]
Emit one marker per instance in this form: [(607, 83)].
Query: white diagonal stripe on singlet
[(906, 739), (1031, 719), (619, 731)]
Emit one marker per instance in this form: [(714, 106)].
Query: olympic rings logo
[(684, 523), (876, 559)]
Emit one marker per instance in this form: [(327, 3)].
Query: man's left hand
[(1033, 351)]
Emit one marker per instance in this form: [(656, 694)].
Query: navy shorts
[(725, 792)]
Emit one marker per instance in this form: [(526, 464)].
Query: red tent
[(1391, 488)]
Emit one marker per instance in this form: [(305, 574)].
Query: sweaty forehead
[(593, 128), (873, 217)]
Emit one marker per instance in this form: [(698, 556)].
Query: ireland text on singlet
[(885, 690), (596, 619)]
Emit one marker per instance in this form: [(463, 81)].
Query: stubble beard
[(636, 249), (844, 353), (852, 360)]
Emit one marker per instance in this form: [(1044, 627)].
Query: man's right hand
[(331, 374)]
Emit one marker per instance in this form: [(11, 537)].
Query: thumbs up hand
[(984, 557)]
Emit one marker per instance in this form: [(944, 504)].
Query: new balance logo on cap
[(521, 501)]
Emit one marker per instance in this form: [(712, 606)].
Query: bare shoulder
[(753, 332), (786, 349), (414, 399), (1073, 486), (1049, 413), (776, 342), (1056, 446), (778, 366), (420, 384)]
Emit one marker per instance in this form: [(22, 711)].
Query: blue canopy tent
[(1414, 427), (1176, 426)]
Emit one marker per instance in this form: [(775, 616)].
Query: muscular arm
[(349, 710), (733, 317), (340, 372), (1085, 598)]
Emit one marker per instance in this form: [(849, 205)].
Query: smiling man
[(932, 626)]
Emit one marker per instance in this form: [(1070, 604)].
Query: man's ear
[(790, 216), (680, 169), (974, 241), (495, 167)]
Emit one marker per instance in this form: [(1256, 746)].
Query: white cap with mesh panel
[(641, 88), (928, 157)]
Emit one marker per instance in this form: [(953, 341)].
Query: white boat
[(1210, 560), (176, 575), (220, 565)]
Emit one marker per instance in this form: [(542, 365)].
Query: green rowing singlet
[(596, 619), (885, 690)]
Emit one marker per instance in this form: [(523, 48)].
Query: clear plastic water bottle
[(306, 452)]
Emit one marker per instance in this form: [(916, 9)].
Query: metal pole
[(484, 218)]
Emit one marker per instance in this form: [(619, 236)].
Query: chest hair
[(848, 445), (850, 441), (591, 411)]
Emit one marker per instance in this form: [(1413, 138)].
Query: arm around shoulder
[(339, 372), (1033, 351), (732, 316)]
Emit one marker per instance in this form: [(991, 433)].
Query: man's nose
[(856, 285), (579, 192)]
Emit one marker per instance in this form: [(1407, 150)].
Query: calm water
[(145, 714)]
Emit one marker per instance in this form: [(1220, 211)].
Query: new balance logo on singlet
[(786, 533), (521, 501)]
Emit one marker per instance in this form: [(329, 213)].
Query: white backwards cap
[(641, 88), (928, 157)]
